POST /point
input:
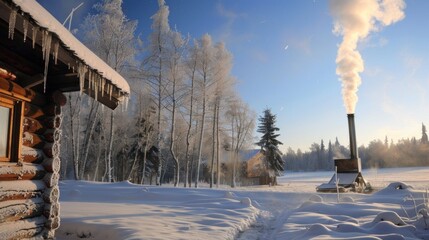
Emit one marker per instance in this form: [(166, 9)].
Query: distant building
[(256, 170)]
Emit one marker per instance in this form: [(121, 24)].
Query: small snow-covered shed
[(39, 60), (256, 168)]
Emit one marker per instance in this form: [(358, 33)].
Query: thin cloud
[(227, 33)]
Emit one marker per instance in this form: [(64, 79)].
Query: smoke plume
[(354, 20)]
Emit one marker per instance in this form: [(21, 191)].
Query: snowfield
[(293, 210)]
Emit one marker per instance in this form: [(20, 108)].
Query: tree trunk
[(213, 147), (172, 142), (217, 146), (98, 157), (88, 137), (75, 147), (200, 147), (144, 163), (109, 156), (134, 162), (233, 154), (188, 133)]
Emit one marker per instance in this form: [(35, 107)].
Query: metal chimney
[(352, 136)]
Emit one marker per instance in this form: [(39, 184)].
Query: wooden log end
[(33, 111), (47, 150), (59, 98), (52, 110), (51, 195), (49, 135), (31, 155), (33, 126), (51, 165), (32, 140), (51, 210), (51, 179)]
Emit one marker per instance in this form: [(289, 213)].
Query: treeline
[(378, 154), (182, 120)]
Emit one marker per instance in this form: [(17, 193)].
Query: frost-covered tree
[(242, 121), (175, 87), (112, 37), (206, 71), (269, 143), (223, 87), (191, 70), (157, 68), (424, 139)]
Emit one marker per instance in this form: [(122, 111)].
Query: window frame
[(13, 148)]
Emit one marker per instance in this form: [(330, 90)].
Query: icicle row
[(25, 26), (12, 22)]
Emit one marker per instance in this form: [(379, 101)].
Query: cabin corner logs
[(29, 194)]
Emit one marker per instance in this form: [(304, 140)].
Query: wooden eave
[(26, 62)]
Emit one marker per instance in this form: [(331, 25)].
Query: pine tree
[(424, 135), (269, 143)]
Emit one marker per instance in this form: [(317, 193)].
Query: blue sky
[(299, 83)]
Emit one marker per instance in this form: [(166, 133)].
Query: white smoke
[(354, 20)]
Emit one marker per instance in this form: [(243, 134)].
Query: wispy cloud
[(227, 33)]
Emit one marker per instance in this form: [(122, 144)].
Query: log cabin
[(39, 61)]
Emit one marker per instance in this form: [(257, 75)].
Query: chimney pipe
[(352, 136)]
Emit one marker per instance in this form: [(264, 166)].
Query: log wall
[(29, 193)]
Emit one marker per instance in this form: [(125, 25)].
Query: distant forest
[(378, 154)]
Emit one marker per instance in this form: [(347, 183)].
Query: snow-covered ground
[(292, 210)]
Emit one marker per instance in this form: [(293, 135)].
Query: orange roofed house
[(39, 60)]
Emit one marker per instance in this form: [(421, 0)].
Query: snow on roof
[(46, 20), (246, 155)]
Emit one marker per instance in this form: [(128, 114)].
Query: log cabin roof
[(28, 32)]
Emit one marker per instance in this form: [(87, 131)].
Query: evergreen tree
[(424, 135), (269, 143)]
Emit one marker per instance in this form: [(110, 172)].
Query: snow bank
[(386, 214), (399, 210), (127, 211)]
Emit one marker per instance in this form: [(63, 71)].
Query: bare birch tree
[(157, 67), (111, 36), (205, 70), (242, 121)]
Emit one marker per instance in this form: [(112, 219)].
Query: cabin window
[(10, 128)]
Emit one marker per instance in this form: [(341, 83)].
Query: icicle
[(102, 86), (12, 21), (81, 73), (25, 26), (56, 47), (90, 80), (34, 35), (110, 91), (127, 98), (90, 73), (96, 87), (46, 46)]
